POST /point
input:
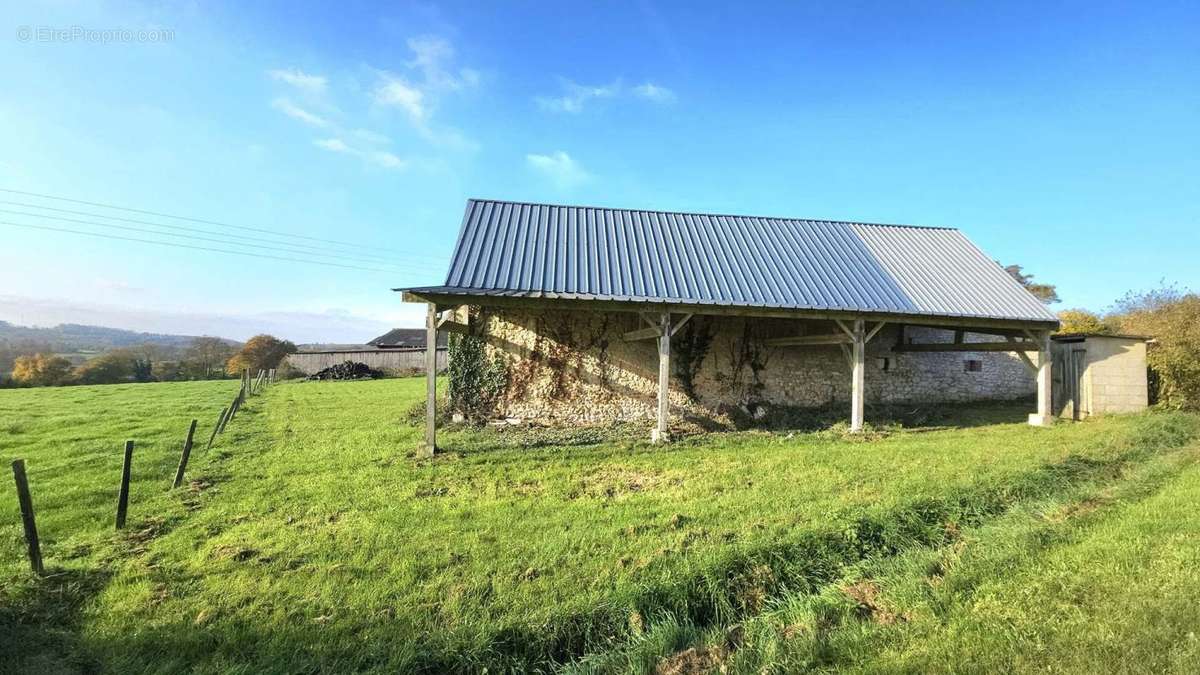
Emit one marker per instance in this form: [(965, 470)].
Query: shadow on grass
[(40, 621)]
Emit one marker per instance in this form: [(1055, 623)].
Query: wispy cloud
[(575, 97), (431, 75), (653, 92), (332, 144), (432, 56), (397, 92), (296, 112), (381, 158), (313, 84), (562, 171)]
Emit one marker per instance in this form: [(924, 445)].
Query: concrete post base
[(1040, 420)]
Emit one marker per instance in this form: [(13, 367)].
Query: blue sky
[(1066, 139)]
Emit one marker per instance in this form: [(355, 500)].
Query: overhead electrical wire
[(193, 220), (143, 230), (196, 248), (184, 228)]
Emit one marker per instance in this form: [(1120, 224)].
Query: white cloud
[(332, 144), (563, 171), (395, 91), (313, 84), (386, 159), (371, 137), (381, 158), (432, 56), (653, 92), (432, 76), (296, 112), (576, 95)]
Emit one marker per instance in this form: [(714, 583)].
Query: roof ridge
[(712, 215)]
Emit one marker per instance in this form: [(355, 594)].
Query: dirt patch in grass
[(235, 553), (618, 481), (870, 606), (693, 661)]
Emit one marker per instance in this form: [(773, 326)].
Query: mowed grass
[(311, 537)]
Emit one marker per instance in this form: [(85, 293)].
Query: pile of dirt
[(347, 370)]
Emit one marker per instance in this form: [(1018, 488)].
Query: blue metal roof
[(549, 251)]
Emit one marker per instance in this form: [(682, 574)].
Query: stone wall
[(574, 367)]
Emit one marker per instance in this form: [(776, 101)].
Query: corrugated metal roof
[(550, 251), (397, 338)]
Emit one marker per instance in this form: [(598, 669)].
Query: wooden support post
[(431, 332), (857, 379), (1045, 414), (217, 427), (31, 535), (123, 495), (246, 381), (660, 434), (183, 456)]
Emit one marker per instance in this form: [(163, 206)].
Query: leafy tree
[(205, 357), (169, 371), (1172, 318), (1047, 293), (40, 370), (108, 368), (1082, 321), (261, 352)]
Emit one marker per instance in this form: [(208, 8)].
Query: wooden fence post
[(216, 427), (31, 535), (123, 495), (183, 457)]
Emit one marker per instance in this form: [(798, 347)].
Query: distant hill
[(72, 337)]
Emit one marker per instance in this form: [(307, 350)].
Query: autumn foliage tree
[(1083, 321), (261, 352), (41, 370), (1172, 318)]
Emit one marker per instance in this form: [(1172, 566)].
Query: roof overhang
[(448, 296)]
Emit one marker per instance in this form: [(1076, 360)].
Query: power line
[(319, 249), (189, 219), (196, 248), (186, 236)]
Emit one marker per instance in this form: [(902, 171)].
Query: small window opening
[(973, 366), (885, 363)]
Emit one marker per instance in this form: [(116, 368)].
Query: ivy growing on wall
[(690, 347), (477, 381)]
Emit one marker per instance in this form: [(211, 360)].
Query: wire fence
[(250, 386)]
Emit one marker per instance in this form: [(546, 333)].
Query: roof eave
[(441, 295)]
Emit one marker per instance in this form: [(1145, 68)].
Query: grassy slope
[(312, 537), (1101, 577)]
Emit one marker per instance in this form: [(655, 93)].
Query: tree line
[(205, 358)]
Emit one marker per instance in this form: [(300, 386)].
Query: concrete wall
[(574, 367), (1114, 375), (382, 359)]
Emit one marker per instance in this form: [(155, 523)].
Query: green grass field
[(312, 538)]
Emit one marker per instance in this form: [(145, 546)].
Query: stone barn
[(596, 315)]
